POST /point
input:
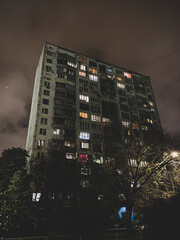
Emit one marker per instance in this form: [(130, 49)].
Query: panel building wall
[(96, 108)]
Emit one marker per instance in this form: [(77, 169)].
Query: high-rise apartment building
[(96, 108)]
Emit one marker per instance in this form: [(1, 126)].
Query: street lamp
[(174, 154)]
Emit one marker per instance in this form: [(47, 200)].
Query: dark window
[(92, 64), (135, 118), (96, 126), (44, 121), (45, 101), (58, 120), (123, 99), (121, 92), (92, 84), (84, 125), (109, 110), (128, 80), (83, 89), (48, 68), (60, 85), (48, 60), (45, 110), (70, 79), (61, 61), (62, 55), (119, 71), (84, 106), (70, 122), (70, 87), (102, 68), (96, 147), (125, 116), (71, 95), (49, 53), (59, 101), (69, 133), (42, 131), (83, 81), (95, 109), (60, 94), (46, 92), (47, 84), (96, 100), (124, 108), (129, 88)]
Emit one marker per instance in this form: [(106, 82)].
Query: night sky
[(143, 36)]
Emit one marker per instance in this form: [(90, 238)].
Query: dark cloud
[(139, 35), (7, 126)]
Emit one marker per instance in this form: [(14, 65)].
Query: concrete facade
[(96, 108)]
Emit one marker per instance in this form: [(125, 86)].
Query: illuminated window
[(70, 156), (145, 128), (36, 197), (125, 124), (109, 160), (85, 145), (72, 64), (149, 120), (84, 135), (109, 70), (83, 74), (107, 120), (120, 85), (58, 131), (133, 163), (119, 78), (135, 126), (85, 183), (151, 104), (93, 77), (83, 115), (84, 98), (143, 164), (85, 171), (92, 70), (82, 60), (98, 159), (100, 197), (109, 76), (83, 157), (128, 75), (41, 143), (95, 118), (83, 67), (68, 144)]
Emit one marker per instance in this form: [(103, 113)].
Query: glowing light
[(175, 154), (36, 197), (122, 210), (128, 75)]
